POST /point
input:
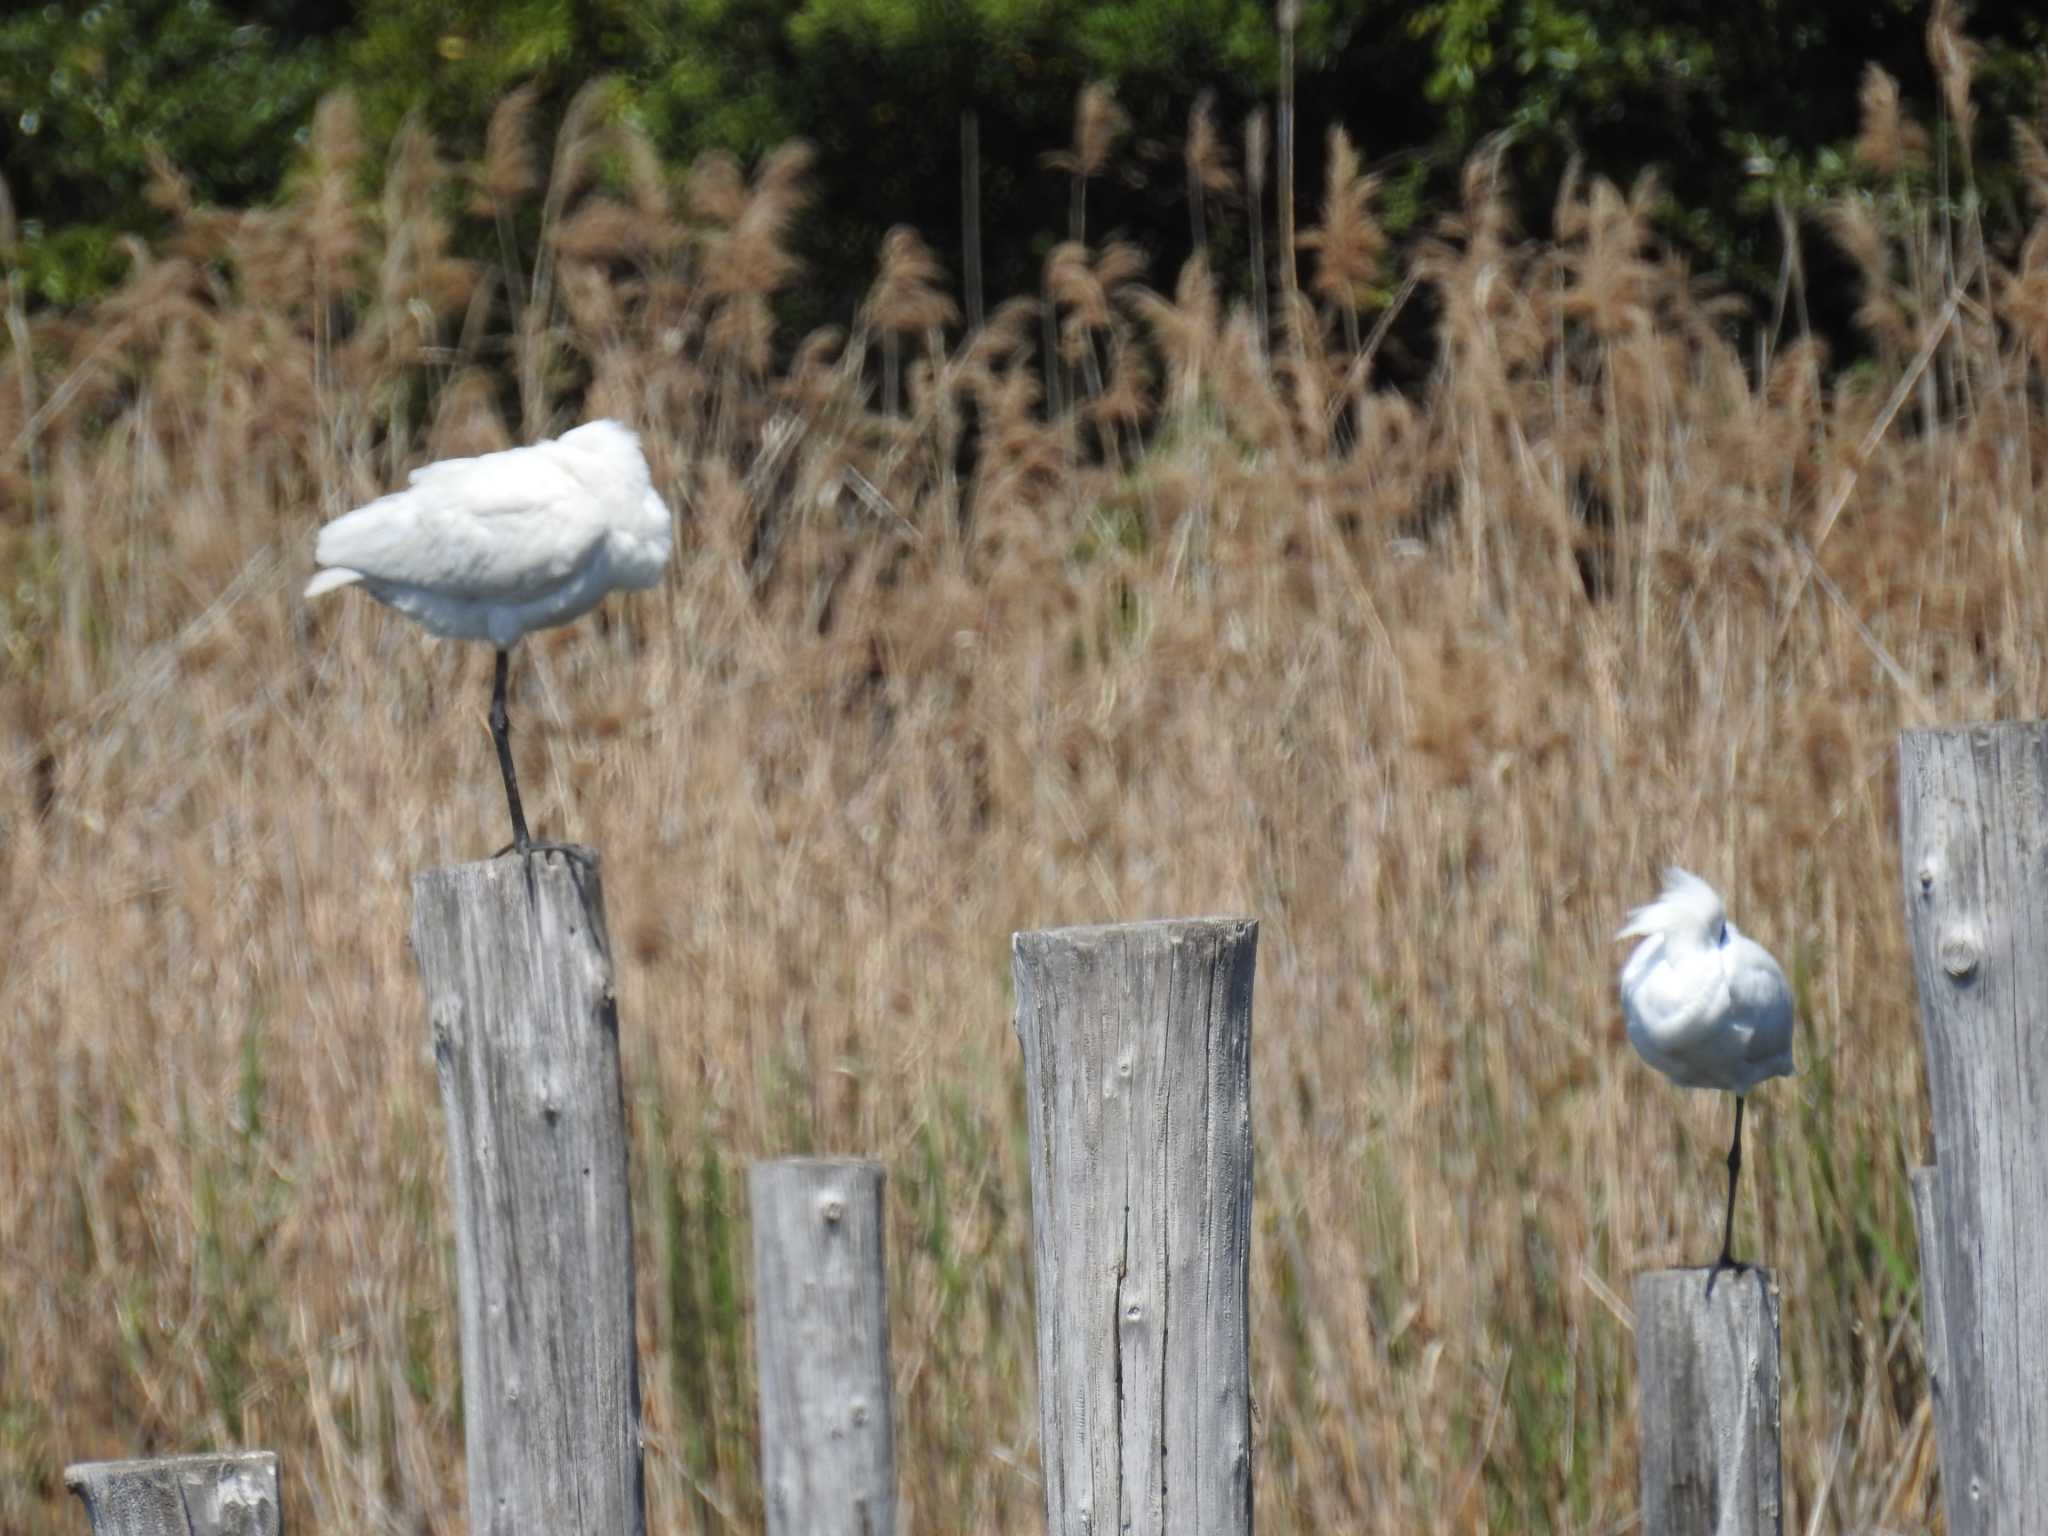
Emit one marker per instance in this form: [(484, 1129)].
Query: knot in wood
[(1959, 954)]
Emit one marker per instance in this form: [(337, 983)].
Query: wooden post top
[(1168, 927)]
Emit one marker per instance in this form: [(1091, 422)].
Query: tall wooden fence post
[(1959, 1436), (1973, 827), (1707, 1368), (518, 975), (1137, 1063), (821, 1337), (234, 1494)]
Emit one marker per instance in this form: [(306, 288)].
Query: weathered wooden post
[(821, 1337), (518, 975), (1973, 831), (1707, 1367), (1137, 1064), (1958, 1428), (233, 1494)]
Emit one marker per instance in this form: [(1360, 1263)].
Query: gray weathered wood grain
[(234, 1494), (519, 995), (1707, 1368), (821, 1340), (1957, 1424), (1137, 1062), (1973, 833)]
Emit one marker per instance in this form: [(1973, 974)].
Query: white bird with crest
[(494, 547), (1707, 1006)]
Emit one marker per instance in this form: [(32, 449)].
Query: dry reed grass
[(1432, 686)]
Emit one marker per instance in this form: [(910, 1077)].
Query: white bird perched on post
[(1707, 1006), (492, 547)]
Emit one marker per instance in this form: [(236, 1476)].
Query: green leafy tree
[(220, 90), (1742, 109), (884, 89)]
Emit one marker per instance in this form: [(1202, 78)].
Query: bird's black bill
[(501, 733), (1727, 1260)]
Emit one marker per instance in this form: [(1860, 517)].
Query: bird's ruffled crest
[(1687, 904)]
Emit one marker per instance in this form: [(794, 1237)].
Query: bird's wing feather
[(490, 528), (1760, 993), (1675, 1000)]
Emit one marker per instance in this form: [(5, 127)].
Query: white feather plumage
[(1706, 1005), (492, 548)]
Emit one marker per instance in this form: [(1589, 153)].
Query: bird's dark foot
[(1725, 1265), (575, 853), (532, 845)]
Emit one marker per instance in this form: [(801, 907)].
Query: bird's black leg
[(522, 843), (501, 733), (1727, 1259)]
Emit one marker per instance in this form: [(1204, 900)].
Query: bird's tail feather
[(329, 579)]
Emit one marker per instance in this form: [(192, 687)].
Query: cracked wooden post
[(1973, 824), (1707, 1368), (232, 1494), (1137, 1064), (518, 975), (821, 1341)]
